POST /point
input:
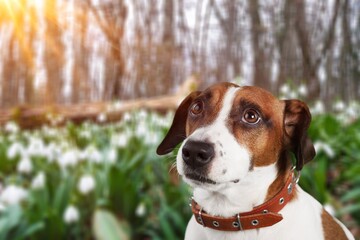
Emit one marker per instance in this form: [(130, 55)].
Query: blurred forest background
[(67, 51)]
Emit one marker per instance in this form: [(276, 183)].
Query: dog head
[(228, 130)]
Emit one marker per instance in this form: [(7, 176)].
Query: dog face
[(229, 130)]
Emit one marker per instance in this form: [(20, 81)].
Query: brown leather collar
[(264, 215)]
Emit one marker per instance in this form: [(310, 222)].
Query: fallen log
[(30, 117)]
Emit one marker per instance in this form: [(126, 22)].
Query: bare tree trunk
[(81, 82), (9, 84), (260, 61), (112, 23), (309, 70), (347, 57), (54, 54)]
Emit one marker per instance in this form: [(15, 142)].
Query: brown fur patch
[(212, 99), (263, 140), (332, 230)]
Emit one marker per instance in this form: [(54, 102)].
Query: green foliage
[(107, 227), (133, 187), (333, 177)]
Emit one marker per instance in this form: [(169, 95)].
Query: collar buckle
[(295, 175)]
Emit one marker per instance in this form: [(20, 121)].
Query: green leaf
[(352, 194), (107, 227)]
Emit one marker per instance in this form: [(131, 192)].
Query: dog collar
[(264, 215)]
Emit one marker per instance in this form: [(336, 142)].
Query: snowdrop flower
[(119, 140), (11, 127), (15, 149), (39, 181), (85, 134), (25, 165), (112, 156), (52, 152), (86, 184), (339, 106), (321, 146), (69, 158), (102, 117), (36, 147), (152, 138), (284, 89), (118, 105), (142, 114), (93, 154), (140, 210), (318, 108), (293, 95), (13, 195), (141, 129), (127, 117), (303, 91), (71, 214), (353, 110)]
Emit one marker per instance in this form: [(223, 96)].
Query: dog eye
[(251, 116), (197, 108)]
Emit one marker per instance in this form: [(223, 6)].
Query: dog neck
[(259, 185)]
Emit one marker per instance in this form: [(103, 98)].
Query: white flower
[(284, 89), (112, 155), (143, 114), (127, 117), (25, 165), (86, 184), (13, 195), (303, 91), (119, 140), (52, 152), (15, 149), (117, 105), (140, 210), (318, 108), (11, 127), (36, 147), (85, 134), (39, 181), (152, 138), (321, 146), (141, 129), (71, 214), (102, 117), (92, 154), (292, 95), (340, 106), (69, 158)]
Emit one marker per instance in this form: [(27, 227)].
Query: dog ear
[(177, 131), (297, 120)]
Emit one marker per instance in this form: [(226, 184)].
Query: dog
[(236, 155)]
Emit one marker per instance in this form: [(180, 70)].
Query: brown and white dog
[(235, 155)]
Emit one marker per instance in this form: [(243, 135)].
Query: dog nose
[(197, 154)]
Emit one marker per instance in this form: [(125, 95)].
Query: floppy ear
[(177, 131), (297, 119)]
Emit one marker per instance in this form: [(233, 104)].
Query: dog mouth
[(199, 178), (202, 179)]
